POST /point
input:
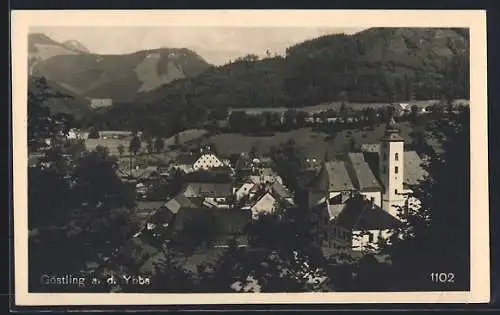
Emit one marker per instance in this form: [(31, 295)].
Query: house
[(191, 162), (265, 175), (181, 201), (401, 109), (357, 225), (100, 102), (246, 189), (74, 134), (210, 228), (184, 162), (269, 198), (383, 175), (218, 195), (282, 192), (208, 161), (144, 210)]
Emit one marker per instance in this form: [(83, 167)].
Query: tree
[(88, 217), (290, 117), (414, 113), (149, 145), (135, 145), (159, 144), (254, 150), (343, 97), (42, 123), (301, 118), (93, 133), (237, 120), (121, 149), (371, 116), (353, 146), (427, 241)]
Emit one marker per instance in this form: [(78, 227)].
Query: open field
[(186, 136), (314, 144), (111, 144), (336, 106)]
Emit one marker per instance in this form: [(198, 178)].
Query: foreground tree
[(159, 144), (135, 145), (435, 237)]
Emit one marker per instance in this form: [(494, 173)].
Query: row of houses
[(353, 201)]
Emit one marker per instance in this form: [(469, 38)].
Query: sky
[(216, 45)]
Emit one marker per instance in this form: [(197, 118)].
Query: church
[(364, 191)]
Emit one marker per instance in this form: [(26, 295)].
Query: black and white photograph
[(225, 154)]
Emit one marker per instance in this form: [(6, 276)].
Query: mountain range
[(374, 65), (120, 77)]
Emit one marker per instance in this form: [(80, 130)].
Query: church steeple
[(391, 167), (392, 131)]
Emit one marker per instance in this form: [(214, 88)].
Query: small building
[(383, 175), (358, 225), (210, 228), (208, 161), (192, 162), (265, 175), (216, 195), (246, 189), (401, 109), (269, 198), (100, 103)]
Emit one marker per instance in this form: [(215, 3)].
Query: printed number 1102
[(443, 277)]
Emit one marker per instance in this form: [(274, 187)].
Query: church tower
[(391, 168)]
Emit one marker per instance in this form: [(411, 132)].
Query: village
[(203, 202)]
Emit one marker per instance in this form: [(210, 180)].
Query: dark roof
[(231, 221), (180, 201), (209, 190), (413, 170), (362, 173), (243, 162), (142, 206), (361, 214), (224, 221), (307, 177), (333, 176), (186, 159), (281, 190)]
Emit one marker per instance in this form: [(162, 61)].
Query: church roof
[(392, 131), (333, 177), (363, 175), (356, 173), (361, 214), (413, 169)]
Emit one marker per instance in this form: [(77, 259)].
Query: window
[(384, 156), (396, 191), (396, 169), (396, 157), (370, 237)]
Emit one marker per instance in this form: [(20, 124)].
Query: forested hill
[(375, 65), (67, 102), (119, 77), (378, 64)]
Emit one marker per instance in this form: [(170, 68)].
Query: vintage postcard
[(247, 157)]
